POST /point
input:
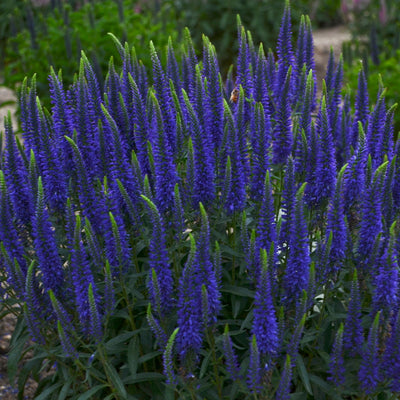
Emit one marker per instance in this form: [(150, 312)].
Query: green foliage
[(374, 26), (387, 72), (60, 36)]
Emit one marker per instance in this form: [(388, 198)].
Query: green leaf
[(149, 356), (88, 395), (65, 390), (298, 396), (246, 322), (229, 250), (133, 356), (31, 368), (17, 346), (143, 377), (304, 374), (323, 385), (204, 365), (47, 392), (169, 393), (116, 341), (115, 379), (238, 291)]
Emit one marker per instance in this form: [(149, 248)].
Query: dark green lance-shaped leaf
[(238, 291), (205, 364), (304, 374), (143, 377), (31, 369), (133, 356), (19, 339), (90, 393), (48, 392), (117, 342), (149, 356), (66, 389), (115, 380), (323, 386)]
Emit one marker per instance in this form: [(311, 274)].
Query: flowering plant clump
[(200, 239)]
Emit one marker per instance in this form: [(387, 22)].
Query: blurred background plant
[(384, 75), (217, 20), (54, 34), (375, 45), (374, 25)]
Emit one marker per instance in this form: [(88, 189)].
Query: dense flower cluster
[(248, 204)]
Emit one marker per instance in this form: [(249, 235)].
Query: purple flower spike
[(16, 176), (235, 193), (254, 373), (371, 223), (361, 107), (375, 131), (165, 170), (190, 335), (298, 260), (260, 138), (204, 270), (214, 94), (336, 365), (286, 59), (391, 356), (369, 374), (46, 246), (282, 135), (353, 332), (305, 56), (283, 392), (265, 325), (386, 277), (204, 177), (164, 97), (266, 230), (337, 226), (232, 365), (160, 287), (325, 173)]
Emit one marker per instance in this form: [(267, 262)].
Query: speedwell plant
[(200, 239)]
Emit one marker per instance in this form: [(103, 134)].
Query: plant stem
[(211, 342), (128, 305)]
